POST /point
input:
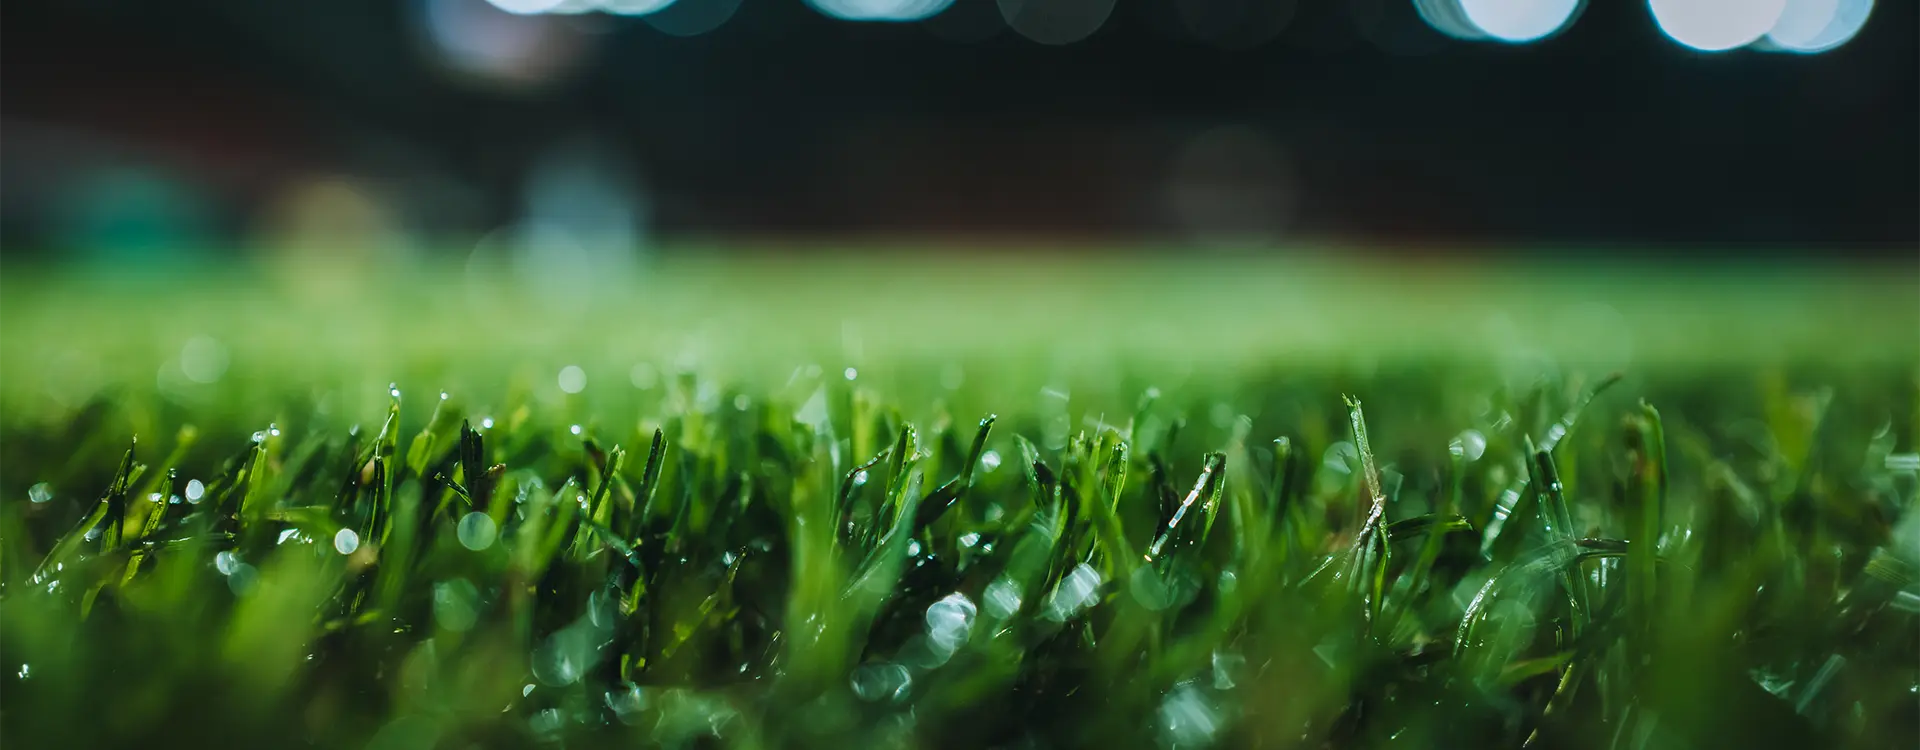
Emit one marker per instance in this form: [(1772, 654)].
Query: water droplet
[(1227, 669), (990, 460), (26, 670), (93, 534), (1340, 457), (286, 534), (1002, 598), (486, 423), (456, 605), (950, 622), (574, 429), (346, 541), (881, 681), (546, 723), (225, 562), (526, 691), (393, 389), (260, 437), (852, 373), (243, 579), (443, 395), (273, 430), (627, 703), (52, 587), (602, 608), (573, 379), (643, 376), (476, 531), (1186, 720), (913, 548), (40, 493), (195, 491), (1469, 445), (173, 499), (203, 360), (860, 478), (969, 539), (1079, 590)]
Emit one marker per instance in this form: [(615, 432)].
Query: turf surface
[(1016, 503)]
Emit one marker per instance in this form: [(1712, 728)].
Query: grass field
[(1022, 502)]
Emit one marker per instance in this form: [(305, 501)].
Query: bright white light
[(1716, 25), (634, 7), (1519, 20), (880, 10), (1810, 26), (526, 7)]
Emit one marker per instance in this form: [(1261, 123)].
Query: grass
[(892, 505)]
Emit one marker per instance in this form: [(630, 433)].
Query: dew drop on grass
[(1076, 592), (456, 605), (881, 681), (225, 562), (990, 460), (1186, 720), (546, 723), (1002, 598), (26, 670), (950, 621), (1468, 446), (393, 389), (286, 534), (476, 531), (486, 423), (573, 379), (346, 541), (40, 493), (627, 703), (860, 478), (574, 429), (852, 373), (1340, 457), (195, 491), (93, 534), (643, 376), (526, 691), (969, 539)]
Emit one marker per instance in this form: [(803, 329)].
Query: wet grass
[(872, 545)]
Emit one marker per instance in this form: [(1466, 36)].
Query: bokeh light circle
[(1519, 21), (1056, 21), (1716, 25), (1813, 26), (880, 10)]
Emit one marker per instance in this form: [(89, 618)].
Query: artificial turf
[(1006, 504)]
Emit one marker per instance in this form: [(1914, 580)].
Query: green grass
[(1020, 504)]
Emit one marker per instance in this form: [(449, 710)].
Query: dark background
[(1354, 125)]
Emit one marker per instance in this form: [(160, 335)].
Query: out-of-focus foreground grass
[(758, 504)]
